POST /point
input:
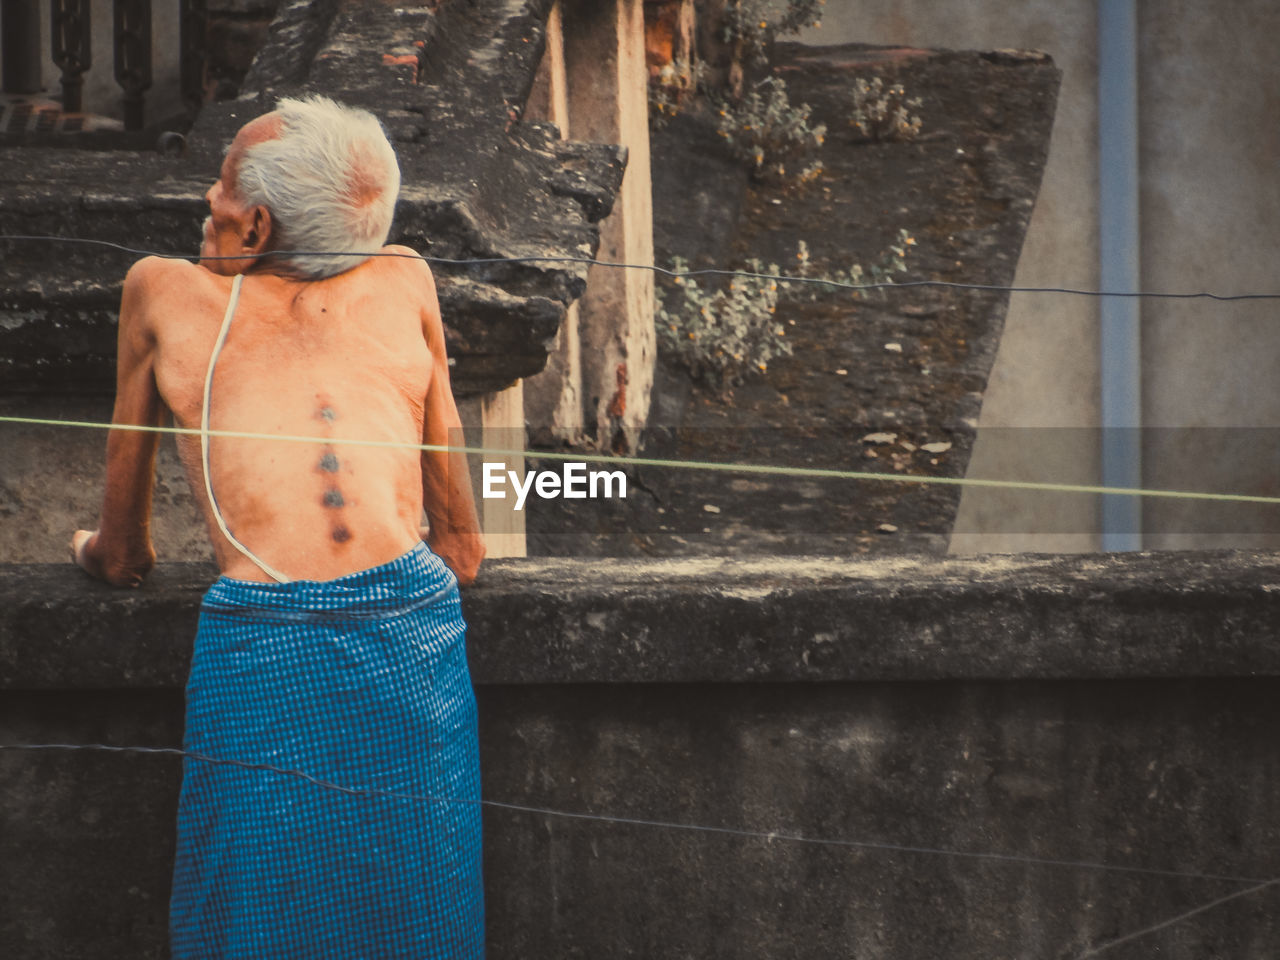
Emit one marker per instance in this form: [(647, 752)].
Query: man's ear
[(257, 237)]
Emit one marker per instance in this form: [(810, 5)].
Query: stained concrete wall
[(1095, 713), (1210, 92), (1210, 219)]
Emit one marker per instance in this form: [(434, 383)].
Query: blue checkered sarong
[(360, 681)]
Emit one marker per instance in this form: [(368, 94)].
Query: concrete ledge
[(540, 621), (1118, 709)]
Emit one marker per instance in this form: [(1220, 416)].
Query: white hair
[(330, 180)]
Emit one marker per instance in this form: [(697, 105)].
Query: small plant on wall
[(883, 113), (723, 335), (672, 88), (750, 25), (713, 54), (772, 136), (720, 336), (893, 260)]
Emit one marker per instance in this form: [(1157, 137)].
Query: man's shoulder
[(398, 251), (403, 261), (159, 292), (401, 273), (157, 276)]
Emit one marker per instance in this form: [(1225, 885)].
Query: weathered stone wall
[(893, 381), (1113, 710)]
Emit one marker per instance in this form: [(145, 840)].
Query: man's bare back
[(340, 358), (359, 355)]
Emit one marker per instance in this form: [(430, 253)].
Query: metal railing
[(71, 50)]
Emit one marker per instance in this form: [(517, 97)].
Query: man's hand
[(79, 540), (86, 556), (461, 553)]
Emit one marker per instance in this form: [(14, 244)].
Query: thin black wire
[(783, 278), (905, 478), (1095, 951), (641, 822)]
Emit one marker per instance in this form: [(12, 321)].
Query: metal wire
[(1256, 886), (689, 464), (771, 835), (1095, 951), (785, 278)]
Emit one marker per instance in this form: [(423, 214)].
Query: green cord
[(752, 468)]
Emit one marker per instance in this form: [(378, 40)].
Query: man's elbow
[(462, 553), (129, 571), (469, 562), (127, 576)]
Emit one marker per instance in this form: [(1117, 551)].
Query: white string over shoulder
[(204, 435)]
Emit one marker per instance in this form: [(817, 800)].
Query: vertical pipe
[(1118, 249)]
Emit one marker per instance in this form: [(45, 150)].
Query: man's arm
[(454, 533), (120, 551)]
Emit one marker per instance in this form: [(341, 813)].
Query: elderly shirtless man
[(333, 642)]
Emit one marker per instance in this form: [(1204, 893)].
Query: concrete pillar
[(596, 56), (554, 404), (1210, 221), (553, 398), (549, 98), (495, 421)]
